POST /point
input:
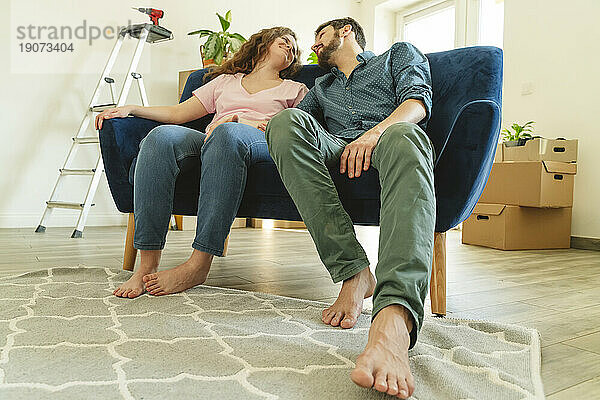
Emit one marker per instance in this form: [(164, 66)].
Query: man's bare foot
[(383, 364), (348, 306), (134, 287), (178, 279)]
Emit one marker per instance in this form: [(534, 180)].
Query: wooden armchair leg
[(438, 275), (130, 251)]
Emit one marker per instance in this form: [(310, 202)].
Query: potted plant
[(219, 45), (518, 135)]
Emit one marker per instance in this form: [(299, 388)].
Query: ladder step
[(65, 204), (102, 107), (77, 171), (86, 140)]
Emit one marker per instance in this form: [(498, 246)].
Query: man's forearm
[(411, 110)]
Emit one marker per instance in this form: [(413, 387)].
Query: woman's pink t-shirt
[(226, 96)]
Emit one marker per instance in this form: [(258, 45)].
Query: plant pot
[(515, 143), (206, 62)]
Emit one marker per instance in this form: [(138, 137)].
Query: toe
[(161, 293), (392, 382), (405, 390), (349, 321), (126, 293), (328, 317), (381, 382), (362, 377), (118, 292), (151, 286), (133, 293), (336, 319), (410, 383), (149, 277)]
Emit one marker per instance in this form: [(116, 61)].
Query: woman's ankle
[(146, 269), (149, 261)]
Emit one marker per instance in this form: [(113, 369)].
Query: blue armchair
[(464, 128)]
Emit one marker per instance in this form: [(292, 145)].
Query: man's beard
[(326, 53)]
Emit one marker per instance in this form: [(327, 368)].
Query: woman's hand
[(260, 125), (117, 112), (230, 118)]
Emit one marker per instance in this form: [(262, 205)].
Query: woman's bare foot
[(348, 306), (189, 274), (134, 287), (383, 364)]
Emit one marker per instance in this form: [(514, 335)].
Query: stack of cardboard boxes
[(528, 198)]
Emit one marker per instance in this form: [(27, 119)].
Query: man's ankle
[(401, 311), (359, 274)]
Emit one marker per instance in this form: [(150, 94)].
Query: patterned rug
[(63, 335)]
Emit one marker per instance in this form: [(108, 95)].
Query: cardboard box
[(499, 153), (531, 184), (542, 150), (509, 227)]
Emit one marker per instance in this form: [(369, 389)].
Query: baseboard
[(62, 218), (585, 243)]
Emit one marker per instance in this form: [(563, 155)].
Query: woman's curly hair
[(254, 51)]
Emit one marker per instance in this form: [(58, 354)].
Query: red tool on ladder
[(154, 14)]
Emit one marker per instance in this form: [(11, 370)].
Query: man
[(365, 113)]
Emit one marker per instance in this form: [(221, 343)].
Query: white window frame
[(477, 21), (466, 14)]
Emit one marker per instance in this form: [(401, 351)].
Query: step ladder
[(143, 33)]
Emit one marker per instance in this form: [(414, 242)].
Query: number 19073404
[(45, 47)]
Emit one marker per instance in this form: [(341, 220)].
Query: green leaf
[(228, 15), (234, 43), (224, 23), (201, 32), (238, 36), (219, 56), (520, 131), (313, 59), (212, 46)]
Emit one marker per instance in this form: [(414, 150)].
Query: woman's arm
[(189, 110)]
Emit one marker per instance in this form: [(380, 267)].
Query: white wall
[(554, 46), (44, 96)]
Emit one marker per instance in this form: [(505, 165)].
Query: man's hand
[(357, 154)]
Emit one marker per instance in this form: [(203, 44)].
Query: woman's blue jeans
[(224, 159)]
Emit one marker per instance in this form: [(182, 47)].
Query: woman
[(245, 92)]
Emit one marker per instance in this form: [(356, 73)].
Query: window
[(438, 25), (491, 23), (431, 29)]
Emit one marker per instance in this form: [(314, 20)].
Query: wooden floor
[(554, 291)]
